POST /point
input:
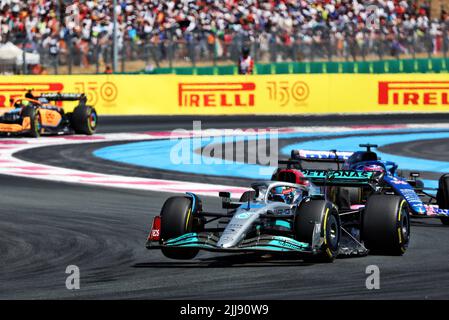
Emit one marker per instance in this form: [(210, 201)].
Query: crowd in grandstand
[(279, 29)]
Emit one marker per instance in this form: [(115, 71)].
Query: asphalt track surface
[(46, 226)]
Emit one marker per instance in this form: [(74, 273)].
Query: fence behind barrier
[(75, 55)]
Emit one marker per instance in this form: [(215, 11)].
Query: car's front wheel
[(35, 121), (322, 213), (177, 220)]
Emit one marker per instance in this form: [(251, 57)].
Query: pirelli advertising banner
[(232, 95)]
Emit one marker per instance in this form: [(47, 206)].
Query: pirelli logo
[(36, 86), (223, 94), (416, 93), (11, 90)]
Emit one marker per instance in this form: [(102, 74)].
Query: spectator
[(108, 70), (280, 29), (246, 63)]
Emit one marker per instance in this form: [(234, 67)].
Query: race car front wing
[(208, 241)]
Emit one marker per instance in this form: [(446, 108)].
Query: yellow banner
[(233, 95)]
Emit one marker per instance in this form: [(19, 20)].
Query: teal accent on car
[(275, 248), (338, 174), (267, 248), (288, 243), (196, 245), (185, 238), (283, 223)]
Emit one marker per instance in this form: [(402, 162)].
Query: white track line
[(10, 165)]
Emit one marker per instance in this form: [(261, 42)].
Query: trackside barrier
[(233, 95)]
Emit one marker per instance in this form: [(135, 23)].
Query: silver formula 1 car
[(283, 217)]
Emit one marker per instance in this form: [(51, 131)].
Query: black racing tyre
[(247, 195), (443, 196), (35, 121), (355, 195), (176, 220), (322, 212), (347, 196), (386, 224), (84, 120)]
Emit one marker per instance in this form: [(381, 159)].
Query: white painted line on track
[(10, 165)]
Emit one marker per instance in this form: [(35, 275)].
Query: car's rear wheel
[(35, 121), (386, 224), (177, 220), (443, 196), (323, 213), (84, 120)]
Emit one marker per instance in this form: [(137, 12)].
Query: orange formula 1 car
[(35, 115)]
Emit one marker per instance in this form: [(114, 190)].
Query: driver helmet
[(284, 194), (21, 103)]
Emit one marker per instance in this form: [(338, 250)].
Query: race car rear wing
[(341, 177), (320, 156), (64, 97)]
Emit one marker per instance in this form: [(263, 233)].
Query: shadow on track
[(424, 223), (235, 261)]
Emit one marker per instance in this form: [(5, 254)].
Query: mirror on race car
[(223, 194), (414, 175)]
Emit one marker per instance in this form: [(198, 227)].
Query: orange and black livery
[(35, 115)]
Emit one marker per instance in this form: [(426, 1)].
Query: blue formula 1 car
[(420, 202)]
